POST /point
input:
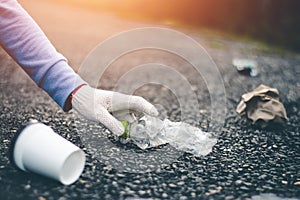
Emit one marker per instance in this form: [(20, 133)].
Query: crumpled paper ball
[(262, 106)]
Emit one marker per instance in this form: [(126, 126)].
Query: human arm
[(22, 38), (27, 44)]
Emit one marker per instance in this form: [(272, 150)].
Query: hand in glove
[(107, 107)]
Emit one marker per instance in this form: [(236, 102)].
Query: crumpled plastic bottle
[(148, 132)]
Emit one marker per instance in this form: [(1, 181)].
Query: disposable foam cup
[(37, 148)]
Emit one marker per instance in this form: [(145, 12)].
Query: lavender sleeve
[(26, 43)]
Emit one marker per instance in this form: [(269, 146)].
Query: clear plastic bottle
[(148, 132)]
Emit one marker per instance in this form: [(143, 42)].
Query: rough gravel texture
[(246, 161)]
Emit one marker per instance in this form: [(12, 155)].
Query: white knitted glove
[(107, 106)]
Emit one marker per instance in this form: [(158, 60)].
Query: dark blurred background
[(273, 21)]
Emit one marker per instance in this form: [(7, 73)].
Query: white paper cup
[(37, 148)]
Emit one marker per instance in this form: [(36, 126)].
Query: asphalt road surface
[(246, 162)]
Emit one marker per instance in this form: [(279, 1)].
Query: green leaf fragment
[(126, 125)]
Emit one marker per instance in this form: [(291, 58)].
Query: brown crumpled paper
[(262, 106)]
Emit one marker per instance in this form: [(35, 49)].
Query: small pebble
[(180, 183), (82, 181), (164, 195), (142, 192), (27, 187), (297, 183)]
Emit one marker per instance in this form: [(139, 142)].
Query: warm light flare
[(270, 20)]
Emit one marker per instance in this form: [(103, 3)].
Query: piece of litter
[(150, 132), (246, 66), (262, 106)]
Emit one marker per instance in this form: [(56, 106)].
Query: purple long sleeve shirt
[(26, 43)]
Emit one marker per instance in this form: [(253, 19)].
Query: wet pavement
[(246, 161)]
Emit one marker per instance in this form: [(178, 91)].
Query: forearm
[(22, 38)]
